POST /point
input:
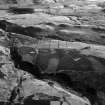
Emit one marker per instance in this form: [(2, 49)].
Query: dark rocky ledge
[(75, 65), (72, 67), (93, 35)]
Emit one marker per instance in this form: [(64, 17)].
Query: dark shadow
[(11, 27), (24, 65), (98, 29), (30, 101), (17, 10)]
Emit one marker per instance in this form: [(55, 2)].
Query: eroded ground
[(55, 54)]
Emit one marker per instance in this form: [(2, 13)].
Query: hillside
[(52, 52)]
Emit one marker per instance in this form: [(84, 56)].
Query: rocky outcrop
[(15, 83), (81, 63), (55, 54), (61, 32), (84, 65)]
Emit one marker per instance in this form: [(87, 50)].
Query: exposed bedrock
[(73, 64), (73, 69), (36, 32), (94, 35), (54, 52)]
